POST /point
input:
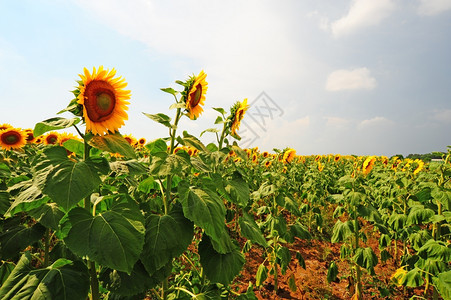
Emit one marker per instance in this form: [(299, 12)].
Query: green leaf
[(300, 259), (341, 231), (262, 274), (54, 124), (164, 164), (220, 110), (435, 250), (114, 238), (300, 231), (170, 91), (29, 197), (443, 284), (48, 214), (204, 208), (238, 189), (443, 197), (66, 182), (292, 283), (332, 272), (5, 270), (161, 118), (251, 231), (366, 258), (62, 280), (419, 215), (5, 172), (370, 213), (192, 141), (158, 145), (147, 185), (16, 237), (113, 143), (284, 256), (164, 240), (131, 167), (123, 284), (75, 146), (178, 105), (412, 278), (219, 268)]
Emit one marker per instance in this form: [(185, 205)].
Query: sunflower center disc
[(99, 100), (197, 95), (11, 138)]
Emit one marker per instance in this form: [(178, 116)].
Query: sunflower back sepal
[(54, 124)]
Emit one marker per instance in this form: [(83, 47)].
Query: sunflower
[(289, 155), (197, 87), (368, 164), (265, 154), (337, 157), (268, 163), (65, 137), (320, 166), (141, 142), (5, 126), (254, 158), (30, 136), (420, 166), (104, 100), (131, 139), (12, 138), (236, 115), (52, 138)]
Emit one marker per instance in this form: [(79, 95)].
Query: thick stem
[(46, 247)]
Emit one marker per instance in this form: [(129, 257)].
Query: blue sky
[(331, 76)]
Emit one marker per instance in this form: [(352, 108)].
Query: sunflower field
[(100, 215)]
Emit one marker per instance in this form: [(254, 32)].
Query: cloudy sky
[(329, 76)]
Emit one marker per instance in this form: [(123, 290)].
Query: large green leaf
[(341, 231), (366, 258), (204, 208), (66, 182), (48, 214), (443, 284), (164, 240), (238, 189), (54, 124), (300, 231), (114, 238), (435, 250), (160, 118), (16, 237), (221, 268), (64, 279), (29, 197), (251, 231), (164, 164), (155, 146), (131, 167), (419, 215), (113, 143)]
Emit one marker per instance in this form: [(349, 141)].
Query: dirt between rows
[(311, 282)]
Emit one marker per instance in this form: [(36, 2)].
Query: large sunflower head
[(104, 100), (12, 138), (236, 115), (195, 94), (5, 126), (368, 164)]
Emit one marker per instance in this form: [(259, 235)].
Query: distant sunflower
[(337, 157), (104, 100), (30, 136), (289, 155), (236, 115), (368, 164), (65, 137), (268, 163), (320, 166), (196, 95), (254, 158), (420, 166), (265, 154), (12, 138), (141, 142), (131, 139), (52, 138)]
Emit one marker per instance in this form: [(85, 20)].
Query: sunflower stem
[(46, 247), (223, 135), (95, 293)]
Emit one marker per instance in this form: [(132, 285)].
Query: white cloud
[(443, 116), (376, 122), (356, 79), (337, 122), (362, 13), (433, 7)]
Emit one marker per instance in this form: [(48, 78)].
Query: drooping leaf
[(419, 215), (284, 256), (332, 272), (220, 268), (155, 146), (443, 284), (64, 279), (238, 189), (164, 164), (113, 143), (366, 258), (114, 238), (131, 167), (48, 214), (29, 197), (54, 124), (341, 231), (300, 231), (160, 118), (251, 231), (262, 274)]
